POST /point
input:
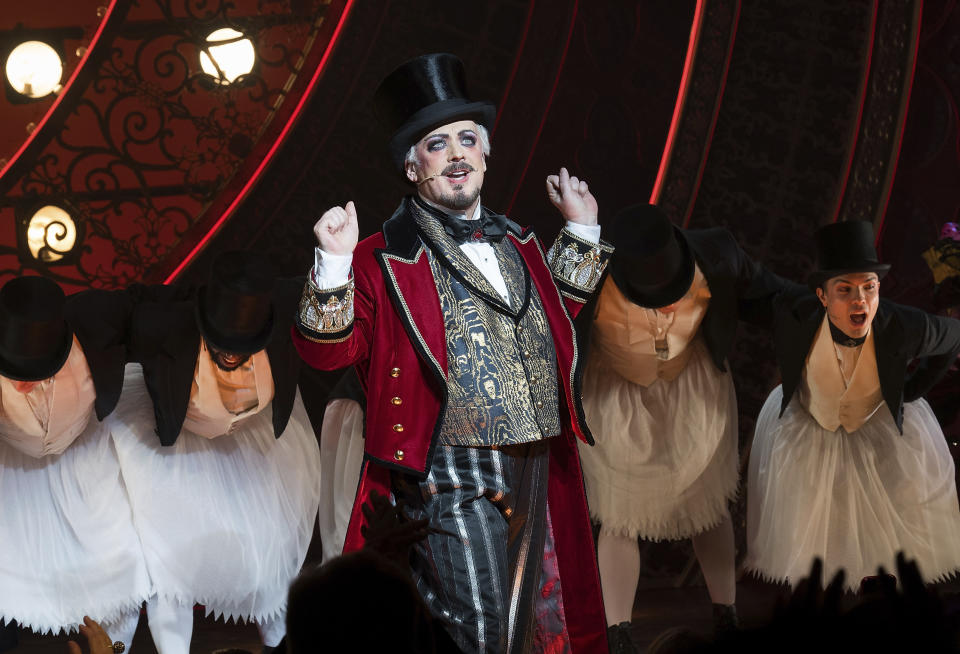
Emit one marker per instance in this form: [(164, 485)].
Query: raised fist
[(337, 229), (572, 197)]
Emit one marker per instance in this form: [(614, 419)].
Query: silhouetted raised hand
[(389, 531)]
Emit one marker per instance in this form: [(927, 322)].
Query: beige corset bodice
[(840, 386), (220, 400), (51, 416), (643, 345)]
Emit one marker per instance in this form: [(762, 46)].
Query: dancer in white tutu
[(847, 463), (660, 402), (226, 498), (68, 547), (341, 458)]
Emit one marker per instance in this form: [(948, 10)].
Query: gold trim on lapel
[(414, 315)]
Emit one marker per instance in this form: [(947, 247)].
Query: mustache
[(457, 167)]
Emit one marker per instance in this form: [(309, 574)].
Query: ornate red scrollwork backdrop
[(146, 153)]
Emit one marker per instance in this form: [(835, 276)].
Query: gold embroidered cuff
[(326, 316), (577, 265)]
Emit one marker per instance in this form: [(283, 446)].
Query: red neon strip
[(63, 90), (556, 83), (903, 123), (681, 100), (863, 102), (716, 114), (516, 64), (273, 149)]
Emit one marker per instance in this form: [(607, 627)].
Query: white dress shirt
[(48, 418), (222, 399)]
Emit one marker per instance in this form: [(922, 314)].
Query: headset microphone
[(427, 179)]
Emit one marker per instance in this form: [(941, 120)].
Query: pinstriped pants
[(484, 577)]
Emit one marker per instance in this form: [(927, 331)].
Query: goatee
[(459, 200)]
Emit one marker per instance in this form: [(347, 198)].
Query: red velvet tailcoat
[(399, 348)]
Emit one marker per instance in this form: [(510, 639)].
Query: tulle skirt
[(68, 547), (224, 522), (665, 459), (341, 457), (853, 500)]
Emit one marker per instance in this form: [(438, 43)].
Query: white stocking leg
[(272, 630), (715, 551), (619, 560), (171, 625), (123, 627)]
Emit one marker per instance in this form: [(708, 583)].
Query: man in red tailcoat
[(460, 328)]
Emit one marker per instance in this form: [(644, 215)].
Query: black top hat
[(424, 92), (653, 265), (234, 310), (845, 247), (35, 340)]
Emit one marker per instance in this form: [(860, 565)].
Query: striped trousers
[(483, 578)]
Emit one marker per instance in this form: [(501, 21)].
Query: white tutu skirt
[(68, 547), (854, 500), (341, 457), (225, 522), (665, 460)]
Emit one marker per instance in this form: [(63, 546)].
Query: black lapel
[(513, 265), (720, 322), (169, 372), (100, 320), (797, 322), (400, 234), (888, 341), (284, 359)]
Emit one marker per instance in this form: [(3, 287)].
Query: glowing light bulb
[(34, 69), (51, 234), (234, 56)]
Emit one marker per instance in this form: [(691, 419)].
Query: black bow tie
[(489, 228), (842, 339)]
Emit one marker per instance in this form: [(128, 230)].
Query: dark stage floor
[(655, 611)]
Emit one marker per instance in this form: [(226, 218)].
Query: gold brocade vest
[(217, 393), (502, 369), (629, 340), (60, 410), (826, 393)]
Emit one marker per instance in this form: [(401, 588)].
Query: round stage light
[(34, 69), (51, 234), (233, 53)]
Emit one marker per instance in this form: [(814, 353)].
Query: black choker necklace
[(842, 339)]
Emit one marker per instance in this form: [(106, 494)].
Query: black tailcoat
[(165, 340), (901, 334), (740, 289), (99, 320)]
